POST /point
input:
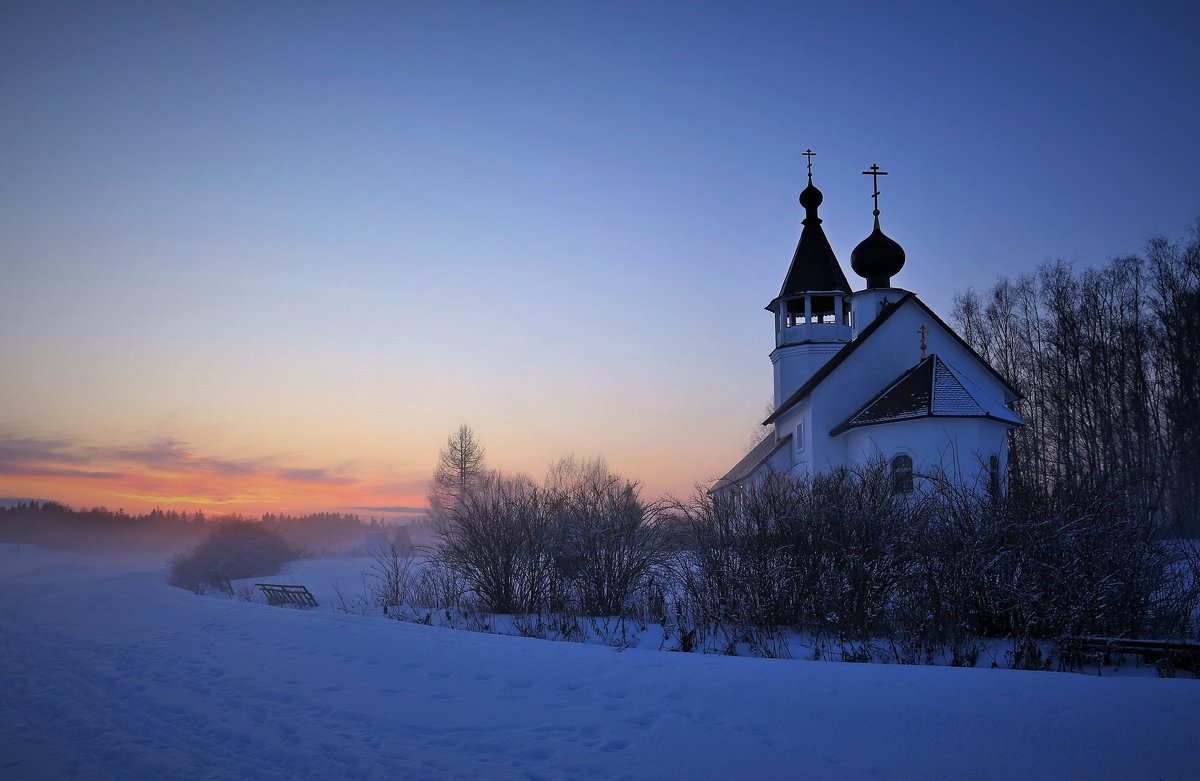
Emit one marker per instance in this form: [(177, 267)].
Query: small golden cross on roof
[(875, 173), (922, 330), (810, 155)]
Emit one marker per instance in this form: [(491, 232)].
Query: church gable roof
[(932, 388), (1012, 394), (1008, 387)]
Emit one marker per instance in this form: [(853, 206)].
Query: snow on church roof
[(932, 388)]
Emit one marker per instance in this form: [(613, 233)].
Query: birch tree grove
[(1107, 360)]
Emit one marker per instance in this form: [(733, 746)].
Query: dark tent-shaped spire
[(814, 266)]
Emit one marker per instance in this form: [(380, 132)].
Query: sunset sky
[(266, 256)]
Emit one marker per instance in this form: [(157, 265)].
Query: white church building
[(873, 374)]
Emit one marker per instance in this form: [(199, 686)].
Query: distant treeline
[(1108, 360), (56, 525)]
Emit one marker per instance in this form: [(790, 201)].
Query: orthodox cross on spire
[(922, 330), (875, 173), (810, 155)]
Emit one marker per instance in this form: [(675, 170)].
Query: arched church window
[(994, 474), (902, 474)]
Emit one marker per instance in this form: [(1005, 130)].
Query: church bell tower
[(812, 311)]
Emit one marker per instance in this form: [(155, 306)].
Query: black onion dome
[(811, 198), (877, 258)]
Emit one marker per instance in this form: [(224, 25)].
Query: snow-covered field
[(108, 673)]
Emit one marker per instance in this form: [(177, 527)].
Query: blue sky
[(319, 236)]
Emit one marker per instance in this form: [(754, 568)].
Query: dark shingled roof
[(814, 266), (932, 388), (844, 353), (751, 461)]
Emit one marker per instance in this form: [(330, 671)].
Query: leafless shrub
[(824, 553), (616, 631), (736, 569), (244, 592), (496, 540), (356, 604), (229, 551), (842, 561), (864, 572), (605, 539), (393, 577)]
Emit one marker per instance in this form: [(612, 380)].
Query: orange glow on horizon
[(350, 473), (201, 500), (166, 474)]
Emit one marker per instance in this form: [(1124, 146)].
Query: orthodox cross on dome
[(875, 173), (922, 331), (810, 155)]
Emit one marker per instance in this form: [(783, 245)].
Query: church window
[(994, 474), (902, 474), (799, 437), (822, 310), (795, 312)]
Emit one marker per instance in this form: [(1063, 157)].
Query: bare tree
[(495, 540), (761, 432), (459, 470), (1175, 297), (394, 576), (607, 540), (1106, 359)]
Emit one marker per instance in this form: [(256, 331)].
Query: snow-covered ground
[(108, 673)]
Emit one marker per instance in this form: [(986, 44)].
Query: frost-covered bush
[(927, 574), (496, 541), (1082, 560), (825, 553), (581, 544), (604, 540), (838, 561), (232, 549)]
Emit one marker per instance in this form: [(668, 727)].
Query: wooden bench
[(1166, 655), (283, 594)]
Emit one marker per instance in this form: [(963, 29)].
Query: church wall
[(866, 304), (783, 463), (958, 448), (881, 359), (874, 364), (801, 454), (795, 364)]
